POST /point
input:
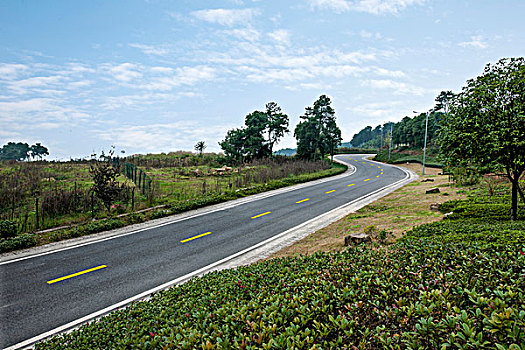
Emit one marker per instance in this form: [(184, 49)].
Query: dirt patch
[(398, 212)]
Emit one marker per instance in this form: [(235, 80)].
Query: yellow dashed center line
[(301, 201), (76, 274), (263, 214), (351, 185), (330, 191), (367, 180), (377, 176), (195, 237)]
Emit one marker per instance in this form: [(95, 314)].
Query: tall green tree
[(276, 124), (15, 151), (306, 133), (254, 142), (39, 151), (233, 144), (261, 131), (443, 101), (318, 132), (485, 128)]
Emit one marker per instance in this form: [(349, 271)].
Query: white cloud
[(399, 88), (280, 36), (375, 7), (370, 35), (125, 72), (335, 5), (247, 34), (476, 42), (379, 7), (226, 17), (377, 109), (162, 137), (10, 71), (151, 50)]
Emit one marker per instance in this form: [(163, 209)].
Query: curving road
[(42, 292)]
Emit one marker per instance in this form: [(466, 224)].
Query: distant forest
[(409, 132)]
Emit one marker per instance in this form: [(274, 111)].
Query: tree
[(105, 184), (249, 142), (233, 144), (318, 131), (306, 134), (39, 151), (14, 151), (443, 101), (486, 125), (200, 147), (254, 143), (276, 124)]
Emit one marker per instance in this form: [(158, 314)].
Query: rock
[(356, 238), (435, 207), (427, 180), (433, 190)]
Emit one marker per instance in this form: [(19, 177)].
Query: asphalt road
[(34, 299)]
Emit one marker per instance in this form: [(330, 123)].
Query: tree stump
[(356, 238)]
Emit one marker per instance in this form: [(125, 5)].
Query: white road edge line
[(410, 176), (178, 217)]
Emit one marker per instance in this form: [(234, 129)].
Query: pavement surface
[(52, 290)]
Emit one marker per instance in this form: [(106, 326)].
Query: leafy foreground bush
[(445, 285), (7, 229)]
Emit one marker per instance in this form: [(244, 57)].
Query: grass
[(395, 213)]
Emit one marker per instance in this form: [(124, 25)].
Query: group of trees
[(317, 134), (485, 127), (22, 151), (409, 132), (262, 130)]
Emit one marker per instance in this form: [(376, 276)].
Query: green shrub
[(484, 211), (8, 229), (25, 240)]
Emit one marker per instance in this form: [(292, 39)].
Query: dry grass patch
[(398, 212)]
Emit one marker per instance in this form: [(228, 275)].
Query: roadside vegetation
[(449, 283)]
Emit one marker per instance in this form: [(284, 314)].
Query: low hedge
[(478, 209), (25, 240)]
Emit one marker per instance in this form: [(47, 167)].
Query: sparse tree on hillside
[(486, 125)]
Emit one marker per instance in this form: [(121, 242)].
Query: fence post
[(36, 206), (133, 199), (92, 204)]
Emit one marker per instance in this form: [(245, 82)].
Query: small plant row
[(454, 284)]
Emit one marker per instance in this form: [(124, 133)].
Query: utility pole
[(390, 148), (425, 147)]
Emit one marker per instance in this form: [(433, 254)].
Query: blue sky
[(151, 76)]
